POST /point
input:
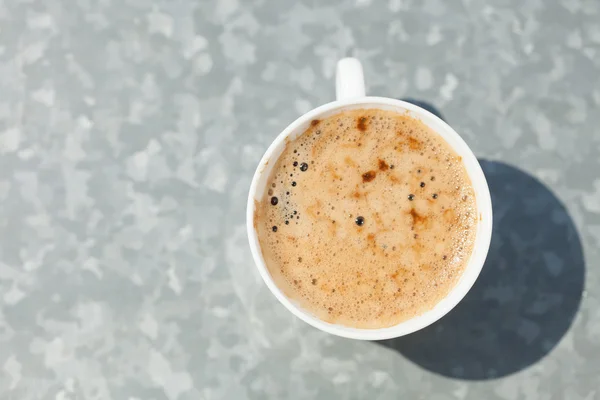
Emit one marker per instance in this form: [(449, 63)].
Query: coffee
[(368, 219)]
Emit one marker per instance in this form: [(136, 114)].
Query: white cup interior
[(480, 187)]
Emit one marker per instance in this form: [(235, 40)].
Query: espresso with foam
[(369, 219)]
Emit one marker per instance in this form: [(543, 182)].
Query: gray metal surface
[(129, 131)]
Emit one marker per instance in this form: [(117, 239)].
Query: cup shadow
[(526, 296)]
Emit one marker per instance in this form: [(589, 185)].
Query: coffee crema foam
[(369, 219)]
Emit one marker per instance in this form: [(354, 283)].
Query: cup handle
[(349, 79)]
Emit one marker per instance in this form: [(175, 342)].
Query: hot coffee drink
[(369, 219)]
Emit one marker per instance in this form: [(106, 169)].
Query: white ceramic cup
[(350, 91)]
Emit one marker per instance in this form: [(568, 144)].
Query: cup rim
[(468, 276)]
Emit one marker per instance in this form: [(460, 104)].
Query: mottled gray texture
[(130, 129)]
